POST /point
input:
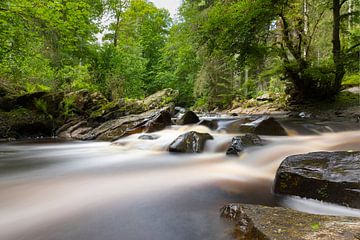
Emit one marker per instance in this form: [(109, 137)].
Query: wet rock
[(74, 130), (191, 142), (254, 222), (149, 121), (239, 143), (149, 137), (264, 126), (212, 124), (327, 176), (179, 110), (189, 117)]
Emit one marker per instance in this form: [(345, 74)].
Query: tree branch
[(350, 14), (343, 2), (314, 30), (353, 47)]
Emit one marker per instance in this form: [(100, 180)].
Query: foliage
[(217, 50)]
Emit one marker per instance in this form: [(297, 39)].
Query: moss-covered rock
[(254, 222), (161, 99), (82, 102)]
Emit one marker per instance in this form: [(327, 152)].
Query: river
[(135, 189)]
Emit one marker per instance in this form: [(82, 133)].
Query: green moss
[(106, 108), (351, 80)]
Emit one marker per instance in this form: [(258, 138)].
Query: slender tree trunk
[(337, 54), (116, 33), (306, 26)]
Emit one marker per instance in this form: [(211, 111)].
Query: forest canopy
[(213, 52)]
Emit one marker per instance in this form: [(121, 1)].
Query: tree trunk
[(337, 54)]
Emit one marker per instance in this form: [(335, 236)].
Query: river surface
[(135, 189)]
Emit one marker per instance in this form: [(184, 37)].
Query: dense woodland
[(215, 51)]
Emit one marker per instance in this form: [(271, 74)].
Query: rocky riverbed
[(331, 176)]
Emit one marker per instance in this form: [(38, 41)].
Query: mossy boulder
[(82, 103), (116, 109), (161, 99), (254, 222), (327, 176)]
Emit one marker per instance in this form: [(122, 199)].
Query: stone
[(191, 142), (239, 143), (160, 99), (263, 126), (149, 137), (254, 222), (188, 117), (326, 176), (83, 102), (265, 97), (211, 124)]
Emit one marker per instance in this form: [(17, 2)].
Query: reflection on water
[(134, 189)]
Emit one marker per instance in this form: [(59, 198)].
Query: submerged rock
[(239, 143), (254, 222), (149, 137), (264, 126), (191, 142), (327, 176), (189, 117)]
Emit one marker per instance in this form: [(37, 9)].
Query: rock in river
[(264, 126), (191, 142), (189, 117), (239, 143), (254, 222), (327, 176)]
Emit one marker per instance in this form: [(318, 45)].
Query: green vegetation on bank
[(215, 52)]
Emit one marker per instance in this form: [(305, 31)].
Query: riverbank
[(344, 107)]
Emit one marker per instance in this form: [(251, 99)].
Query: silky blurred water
[(135, 189)]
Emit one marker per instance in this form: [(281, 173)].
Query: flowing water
[(135, 189)]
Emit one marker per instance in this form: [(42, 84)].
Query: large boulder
[(116, 109), (110, 130), (327, 176), (254, 222), (154, 123), (191, 142), (161, 99), (239, 143), (264, 126), (83, 102), (188, 117)]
